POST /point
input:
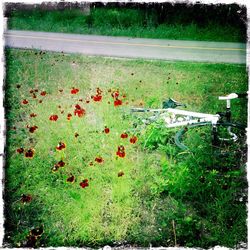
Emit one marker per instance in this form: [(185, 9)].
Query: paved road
[(129, 47)]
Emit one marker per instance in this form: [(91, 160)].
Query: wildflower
[(61, 146), (43, 93), (97, 98), (33, 115), (117, 102), (84, 183), (115, 94), (71, 179), (26, 198), (55, 168), (124, 135), (69, 116), (33, 129), (61, 164), (106, 130), (99, 159), (25, 101), (120, 173), (53, 117), (79, 111), (133, 139), (20, 150), (74, 91), (121, 151), (30, 153)]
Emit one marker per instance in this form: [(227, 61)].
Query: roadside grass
[(122, 22), (164, 192)]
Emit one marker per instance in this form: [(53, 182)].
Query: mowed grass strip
[(119, 204)]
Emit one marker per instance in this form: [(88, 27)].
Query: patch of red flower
[(115, 94), (43, 93), (99, 159), (61, 146), (61, 163), (71, 179), (33, 115), (33, 129), (106, 130), (117, 102), (84, 183), (25, 101), (79, 111), (124, 135), (20, 150), (53, 118), (98, 96), (133, 139), (69, 116), (55, 168), (30, 153), (26, 198), (120, 173), (74, 91), (121, 151)]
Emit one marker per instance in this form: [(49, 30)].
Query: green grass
[(123, 22), (161, 185)]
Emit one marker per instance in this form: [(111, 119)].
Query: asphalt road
[(128, 47)]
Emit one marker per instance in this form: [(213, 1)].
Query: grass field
[(67, 183), (124, 22)]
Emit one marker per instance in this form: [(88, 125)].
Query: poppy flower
[(117, 102), (115, 94), (26, 198), (74, 91), (71, 179), (79, 111), (43, 93), (98, 91), (106, 130), (133, 139), (61, 164), (69, 116), (33, 115), (124, 135), (55, 168), (84, 183), (97, 98), (33, 129), (120, 173), (30, 153), (76, 134), (25, 101), (61, 146), (53, 118), (121, 151), (20, 150), (99, 159)]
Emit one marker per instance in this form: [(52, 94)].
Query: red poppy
[(25, 101), (43, 93), (69, 116), (33, 115), (115, 94), (61, 146), (74, 91), (117, 102), (133, 139), (106, 130), (121, 151), (30, 153), (77, 106), (120, 173), (79, 111), (61, 164), (55, 168), (33, 129), (53, 117), (99, 159), (76, 134), (71, 179), (124, 135), (84, 183), (26, 198), (20, 150), (97, 98)]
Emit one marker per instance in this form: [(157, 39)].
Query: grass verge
[(154, 193)]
